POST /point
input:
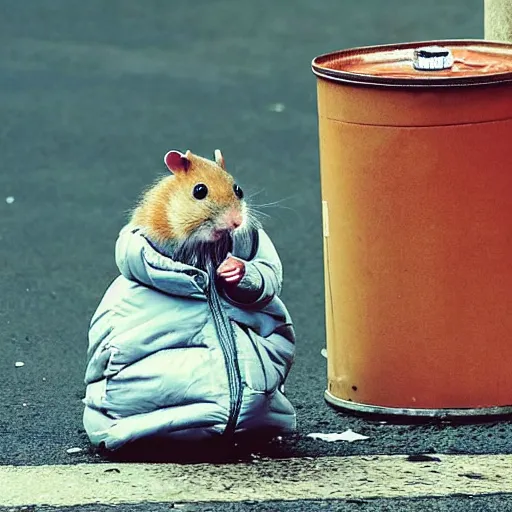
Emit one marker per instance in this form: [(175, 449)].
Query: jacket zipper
[(228, 345)]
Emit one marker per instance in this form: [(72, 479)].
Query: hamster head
[(204, 201)]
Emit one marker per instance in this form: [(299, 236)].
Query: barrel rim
[(378, 410), (434, 81)]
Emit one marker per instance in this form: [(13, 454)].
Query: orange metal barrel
[(416, 181)]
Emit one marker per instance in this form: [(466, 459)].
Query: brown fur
[(169, 212)]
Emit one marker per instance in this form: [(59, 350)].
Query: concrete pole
[(498, 20)]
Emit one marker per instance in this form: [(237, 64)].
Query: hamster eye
[(200, 191), (238, 191)]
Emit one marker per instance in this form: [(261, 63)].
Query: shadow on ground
[(250, 448)]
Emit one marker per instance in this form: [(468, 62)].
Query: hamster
[(194, 214), (191, 341)]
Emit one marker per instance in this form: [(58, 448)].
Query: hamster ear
[(219, 159), (176, 161)]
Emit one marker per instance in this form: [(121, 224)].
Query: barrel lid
[(429, 63)]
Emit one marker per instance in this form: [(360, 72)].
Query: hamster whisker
[(254, 216), (255, 209), (254, 194), (257, 218), (276, 204)]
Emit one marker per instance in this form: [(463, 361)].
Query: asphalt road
[(452, 504), (92, 94)]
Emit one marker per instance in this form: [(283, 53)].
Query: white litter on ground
[(277, 107), (324, 352), (348, 435), (9, 200), (19, 364), (73, 450)]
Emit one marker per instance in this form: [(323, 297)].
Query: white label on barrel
[(325, 217)]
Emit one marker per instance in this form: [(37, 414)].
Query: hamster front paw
[(231, 271)]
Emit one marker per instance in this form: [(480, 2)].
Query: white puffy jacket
[(171, 357)]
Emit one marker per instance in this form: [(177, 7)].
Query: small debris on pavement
[(255, 458), (9, 200), (473, 476), (73, 450), (324, 352), (24, 404), (349, 435), (19, 364), (422, 458), (277, 107), (112, 470)]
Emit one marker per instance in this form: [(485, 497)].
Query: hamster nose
[(233, 219), (235, 222)]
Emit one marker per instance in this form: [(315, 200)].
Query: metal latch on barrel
[(432, 58)]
